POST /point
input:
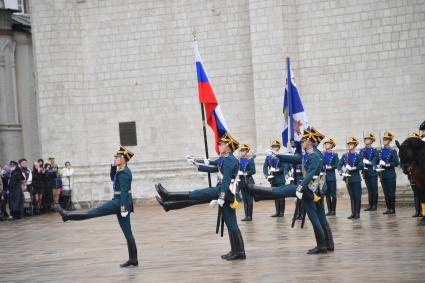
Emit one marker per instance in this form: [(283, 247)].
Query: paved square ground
[(181, 246)]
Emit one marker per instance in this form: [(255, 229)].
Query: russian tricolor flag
[(215, 118)]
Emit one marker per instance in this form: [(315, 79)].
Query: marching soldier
[(306, 190), (246, 170), (330, 161), (275, 172), (388, 160), (416, 192), (370, 176), (121, 205), (349, 166), (222, 194)]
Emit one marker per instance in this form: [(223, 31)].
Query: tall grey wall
[(359, 66)]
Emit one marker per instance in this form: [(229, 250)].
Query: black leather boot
[(173, 205), (417, 207), (232, 245), (329, 238), (239, 253), (357, 207), (277, 207), (132, 254), (245, 206), (329, 205), (282, 207), (387, 203), (392, 209), (352, 210), (334, 206), (71, 215), (370, 200), (249, 217), (321, 247), (258, 190), (166, 195), (374, 201)]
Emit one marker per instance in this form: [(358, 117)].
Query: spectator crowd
[(26, 192)]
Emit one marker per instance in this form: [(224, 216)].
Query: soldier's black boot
[(173, 205), (422, 222), (132, 254), (387, 203), (370, 201), (329, 205), (417, 207), (166, 195), (249, 212), (357, 207), (277, 207), (329, 238), (374, 201), (352, 210), (334, 206), (239, 247), (71, 215), (392, 209), (258, 190), (232, 245), (245, 206), (282, 207), (321, 247)]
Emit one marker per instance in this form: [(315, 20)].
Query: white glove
[(348, 167), (220, 201), (241, 173), (366, 162), (124, 212), (272, 169), (299, 192), (382, 163), (387, 165), (328, 167), (206, 162), (213, 203)]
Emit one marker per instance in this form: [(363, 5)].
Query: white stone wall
[(359, 66)]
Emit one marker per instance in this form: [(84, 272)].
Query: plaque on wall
[(128, 135)]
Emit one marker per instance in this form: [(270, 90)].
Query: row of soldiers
[(370, 163), (308, 189)]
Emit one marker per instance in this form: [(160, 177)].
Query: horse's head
[(408, 152)]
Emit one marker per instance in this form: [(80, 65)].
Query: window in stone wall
[(128, 135)]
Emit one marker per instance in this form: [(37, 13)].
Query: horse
[(412, 157)]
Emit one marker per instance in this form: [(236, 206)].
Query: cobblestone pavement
[(181, 246)]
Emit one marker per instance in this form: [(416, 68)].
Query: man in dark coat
[(16, 197)]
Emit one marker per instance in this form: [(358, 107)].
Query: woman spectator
[(67, 174), (39, 183), (56, 184), (50, 185)]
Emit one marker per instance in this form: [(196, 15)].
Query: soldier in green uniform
[(388, 160), (121, 204), (246, 170), (370, 176), (275, 171), (352, 163), (223, 194), (312, 165), (330, 161)]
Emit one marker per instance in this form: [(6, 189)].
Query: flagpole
[(203, 123), (289, 93)]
